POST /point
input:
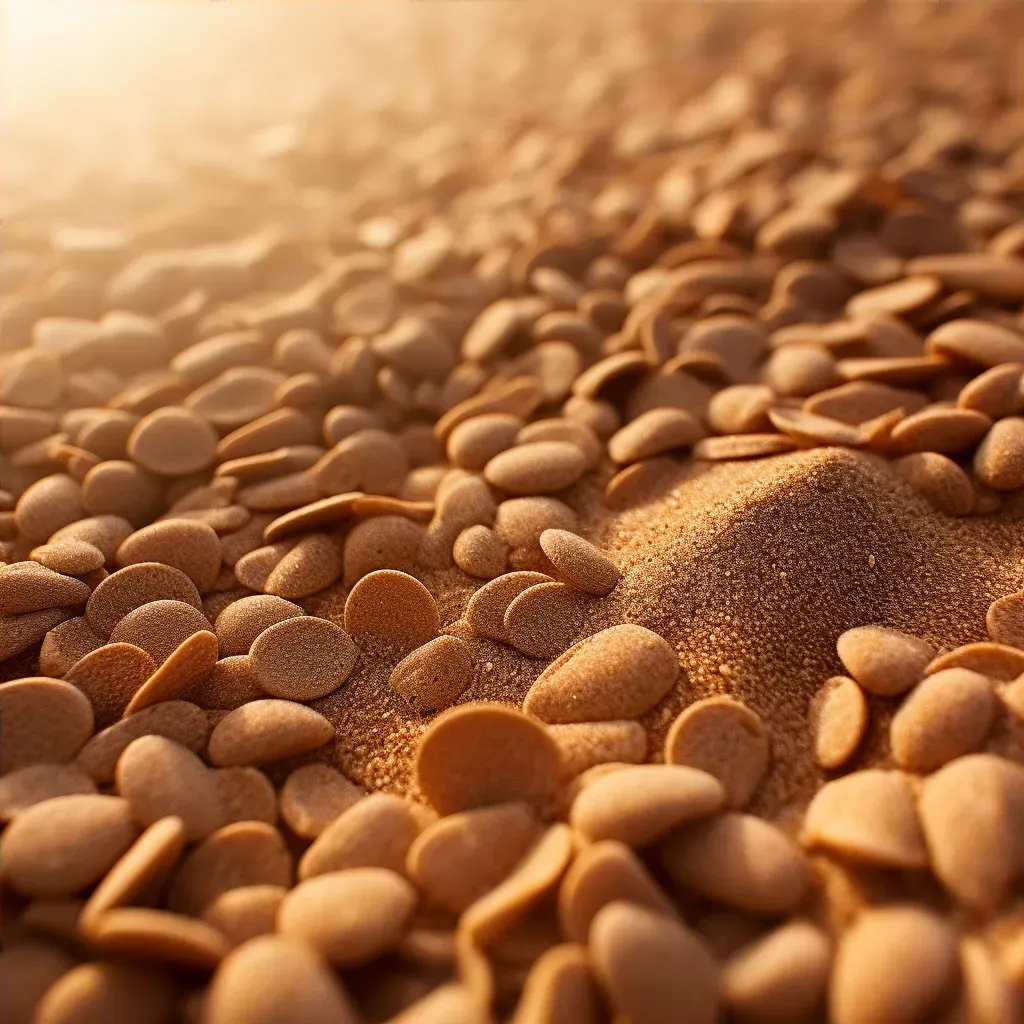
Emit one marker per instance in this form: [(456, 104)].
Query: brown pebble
[(28, 969), (121, 488), (1005, 620), (108, 991), (107, 532), (109, 677), (894, 963), (159, 935), (654, 433), (481, 754), (480, 552), (579, 563), (620, 672), (302, 658), (253, 568), (839, 715), (521, 521), (64, 845), (485, 613), (348, 917), (313, 796), (583, 745), (231, 684), (868, 817), (67, 643), (997, 661), (48, 505), (20, 632), (433, 676), (394, 607), (884, 661), (559, 987), (741, 446), (545, 619), (30, 587), (939, 480), (653, 969), (989, 996), (189, 665), (128, 588), (244, 620), (940, 429), (460, 858), (311, 565), (72, 557), (42, 721), (739, 860), (999, 459), (474, 442), (996, 392), (723, 737), (186, 544), (173, 441), (977, 342), (324, 512), (246, 795), (159, 627), (246, 912), (539, 467), (38, 782), (264, 731)]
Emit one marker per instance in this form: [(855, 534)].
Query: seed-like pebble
[(307, 568), (997, 661), (42, 721), (38, 782), (48, 505), (188, 545), (173, 441), (939, 480), (521, 521), (244, 620), (393, 606), (999, 459), (246, 912), (65, 645), (159, 627), (481, 754), (884, 661), (121, 488), (135, 585), (313, 796), (432, 677), (840, 718), (480, 552), (559, 987), (583, 745), (159, 935), (246, 794), (473, 443), (302, 658), (109, 677), (578, 562), (72, 557), (1005, 620), (28, 969), (107, 991), (654, 433), (264, 731), (188, 666), (540, 467), (30, 587), (545, 619), (20, 632), (107, 532)]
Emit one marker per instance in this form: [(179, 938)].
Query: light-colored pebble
[(313, 796), (264, 731), (42, 721), (392, 606), (578, 562), (540, 467), (884, 661), (433, 676), (839, 715), (302, 658)]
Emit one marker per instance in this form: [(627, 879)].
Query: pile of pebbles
[(236, 474)]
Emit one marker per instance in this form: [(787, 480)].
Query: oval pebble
[(999, 459), (109, 677), (264, 731), (246, 795), (433, 676), (65, 645), (480, 552), (474, 442), (128, 588), (159, 628), (28, 969), (106, 532), (539, 467), (311, 565), (724, 738), (481, 754), (579, 563), (839, 714), (38, 782), (654, 432), (246, 912), (159, 935), (939, 480), (188, 666), (302, 658), (109, 991), (244, 620), (64, 845), (521, 521), (394, 607), (42, 721), (884, 661), (559, 987), (173, 441), (485, 613), (621, 672), (313, 796), (654, 970), (348, 917), (583, 745), (545, 619), (47, 506), (186, 544), (977, 342), (30, 587), (997, 661), (1005, 620), (72, 557)]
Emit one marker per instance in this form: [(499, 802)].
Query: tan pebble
[(637, 804), (996, 392), (583, 745), (246, 795), (38, 782), (236, 396), (108, 991), (313, 796), (344, 420), (941, 429), (620, 672), (740, 446), (48, 505), (72, 557), (545, 619), (561, 429), (189, 665), (739, 860), (605, 872), (997, 661), (42, 721), (28, 969), (433, 676), (173, 441), (302, 658), (30, 587), (485, 613), (867, 817), (540, 467), (394, 607), (652, 968), (807, 428), (121, 488), (160, 778), (800, 370), (654, 433), (106, 532), (463, 856), (159, 935), (265, 731), (109, 677), (290, 491), (939, 480), (970, 812), (375, 831), (311, 565), (283, 428), (884, 661), (481, 754), (20, 632), (839, 715), (894, 963), (268, 980), (384, 542), (246, 912), (159, 627), (244, 853), (977, 342), (253, 568), (149, 861), (521, 521), (999, 459), (65, 644), (480, 552), (324, 512), (188, 545), (559, 987), (579, 563), (348, 917), (988, 994), (741, 409), (128, 588), (781, 978), (231, 684), (368, 505), (66, 844), (473, 443), (244, 620), (1005, 620), (372, 460), (948, 714)]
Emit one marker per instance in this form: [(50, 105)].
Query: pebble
[(740, 860), (940, 429), (28, 969), (246, 794), (106, 532), (481, 754), (159, 935), (123, 488), (997, 661), (42, 721), (245, 619), (521, 521), (109, 991), (977, 341), (724, 738), (302, 658), (310, 566), (65, 644), (190, 664), (540, 467), (393, 606), (939, 480), (433, 676), (480, 552), (64, 845), (1005, 620), (999, 459), (579, 563), (460, 858), (474, 442), (559, 987), (173, 441), (109, 677), (20, 632), (315, 795), (654, 433), (654, 970), (895, 963), (839, 714), (996, 392), (545, 619), (348, 917), (136, 585), (71, 557), (583, 745), (38, 782), (867, 817), (562, 429), (29, 587), (47, 506), (264, 731), (159, 628), (447, 1004), (884, 661), (246, 912), (186, 544), (621, 672)]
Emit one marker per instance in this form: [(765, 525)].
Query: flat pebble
[(246, 912), (48, 505), (311, 565), (724, 738), (244, 620), (42, 721), (540, 467), (654, 432), (868, 817), (122, 488), (246, 794), (159, 628), (109, 677), (302, 658), (481, 754), (521, 521), (394, 607), (559, 987), (545, 619), (583, 745), (433, 676), (997, 661), (264, 731), (107, 532), (28, 969), (485, 613), (173, 441), (939, 480), (313, 796), (446, 1004), (109, 991), (38, 782), (621, 672), (348, 917), (579, 563), (158, 935), (839, 715), (1005, 620), (999, 459), (20, 632), (64, 645), (30, 587), (128, 588), (73, 557), (884, 661), (480, 552), (189, 665), (188, 545)]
